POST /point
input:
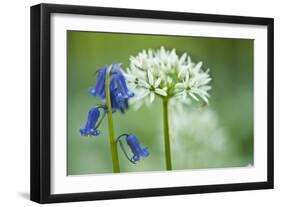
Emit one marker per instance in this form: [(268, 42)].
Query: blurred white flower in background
[(165, 74), (198, 132)]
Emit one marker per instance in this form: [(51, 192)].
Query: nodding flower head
[(91, 126), (136, 148), (119, 92), (99, 89), (118, 102), (118, 82)]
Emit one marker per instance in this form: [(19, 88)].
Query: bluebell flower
[(92, 123), (119, 92), (118, 102), (118, 82), (136, 148), (99, 89)]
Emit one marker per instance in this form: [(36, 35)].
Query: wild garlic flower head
[(165, 74)]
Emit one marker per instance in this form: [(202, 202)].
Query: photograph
[(139, 103)]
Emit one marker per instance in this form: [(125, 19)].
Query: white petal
[(191, 82), (150, 53), (152, 97), (189, 62), (157, 83), (206, 81), (140, 94), (186, 76), (196, 90), (143, 83), (182, 72), (182, 59), (206, 88), (197, 67), (177, 94), (160, 92), (193, 96), (205, 99), (150, 77)]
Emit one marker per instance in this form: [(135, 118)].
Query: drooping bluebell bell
[(118, 81), (136, 148), (92, 123), (119, 92), (99, 89), (118, 102)]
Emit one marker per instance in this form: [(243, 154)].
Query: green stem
[(166, 134), (113, 144)]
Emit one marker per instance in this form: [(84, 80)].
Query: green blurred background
[(215, 136)]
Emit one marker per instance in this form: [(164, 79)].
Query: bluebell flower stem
[(113, 144), (167, 134)]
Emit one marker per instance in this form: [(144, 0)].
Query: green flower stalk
[(167, 134), (113, 144)]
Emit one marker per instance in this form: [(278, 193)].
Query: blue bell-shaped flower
[(136, 148), (118, 82), (90, 128), (119, 92), (99, 89)]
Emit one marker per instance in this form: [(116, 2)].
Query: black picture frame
[(41, 98)]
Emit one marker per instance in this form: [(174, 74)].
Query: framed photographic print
[(132, 103)]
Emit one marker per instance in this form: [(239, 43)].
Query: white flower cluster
[(165, 74)]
